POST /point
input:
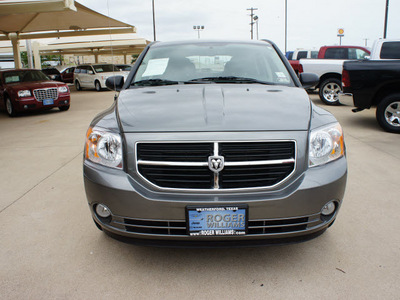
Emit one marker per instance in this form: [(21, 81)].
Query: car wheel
[(388, 113), (10, 107), (78, 85), (329, 91), (63, 108), (97, 86)]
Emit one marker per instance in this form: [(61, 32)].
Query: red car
[(29, 90)]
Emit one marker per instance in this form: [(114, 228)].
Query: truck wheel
[(78, 85), (329, 91), (388, 113)]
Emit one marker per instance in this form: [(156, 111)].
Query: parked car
[(343, 52), (214, 144), (299, 54), (304, 53), (289, 55), (329, 72), (329, 67), (374, 83), (52, 73), (94, 76), (67, 74), (29, 90), (124, 67), (385, 49), (64, 74)]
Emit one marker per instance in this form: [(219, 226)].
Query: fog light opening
[(328, 209), (25, 106), (103, 211)]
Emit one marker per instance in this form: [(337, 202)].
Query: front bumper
[(156, 217), (30, 103)]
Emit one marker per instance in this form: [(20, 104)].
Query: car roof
[(191, 42)]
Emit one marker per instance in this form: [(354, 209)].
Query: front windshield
[(212, 62), (24, 76), (105, 68)]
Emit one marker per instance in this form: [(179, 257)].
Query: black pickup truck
[(374, 83)]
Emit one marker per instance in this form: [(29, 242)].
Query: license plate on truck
[(217, 221)]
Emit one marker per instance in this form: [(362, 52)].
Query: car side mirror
[(308, 80), (367, 57), (90, 72), (115, 83)]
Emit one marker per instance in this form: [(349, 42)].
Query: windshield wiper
[(154, 82), (229, 79)]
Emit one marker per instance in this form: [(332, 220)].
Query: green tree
[(44, 59), (134, 58)]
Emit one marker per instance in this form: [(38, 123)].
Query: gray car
[(214, 143)]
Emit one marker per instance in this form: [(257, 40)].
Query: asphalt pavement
[(50, 248)]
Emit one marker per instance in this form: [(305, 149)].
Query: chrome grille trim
[(155, 227), (217, 185), (46, 93)]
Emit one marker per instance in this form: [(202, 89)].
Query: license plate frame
[(221, 220), (48, 101)]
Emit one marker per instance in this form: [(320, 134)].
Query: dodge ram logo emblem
[(216, 163)]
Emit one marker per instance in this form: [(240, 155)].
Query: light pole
[(386, 19), (255, 18), (154, 21), (198, 28), (252, 20), (285, 26)]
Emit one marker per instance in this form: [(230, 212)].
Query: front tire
[(388, 113), (78, 85), (97, 86), (10, 108), (329, 91)]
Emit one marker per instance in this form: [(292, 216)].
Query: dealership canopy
[(31, 19)]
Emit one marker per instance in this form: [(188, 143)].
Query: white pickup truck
[(329, 72), (385, 49)]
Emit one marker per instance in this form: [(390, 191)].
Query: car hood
[(35, 85), (214, 107)]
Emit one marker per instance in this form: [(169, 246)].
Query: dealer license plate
[(48, 101), (221, 220)]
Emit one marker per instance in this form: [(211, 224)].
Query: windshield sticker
[(156, 67), (11, 79), (281, 77)]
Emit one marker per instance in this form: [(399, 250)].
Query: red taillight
[(301, 68), (345, 78)]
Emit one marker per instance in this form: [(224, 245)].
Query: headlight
[(103, 147), (326, 144), (24, 93), (63, 89)]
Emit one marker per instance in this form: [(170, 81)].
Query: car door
[(84, 76), (67, 75)]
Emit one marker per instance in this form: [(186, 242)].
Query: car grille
[(255, 227), (187, 166), (49, 93)]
